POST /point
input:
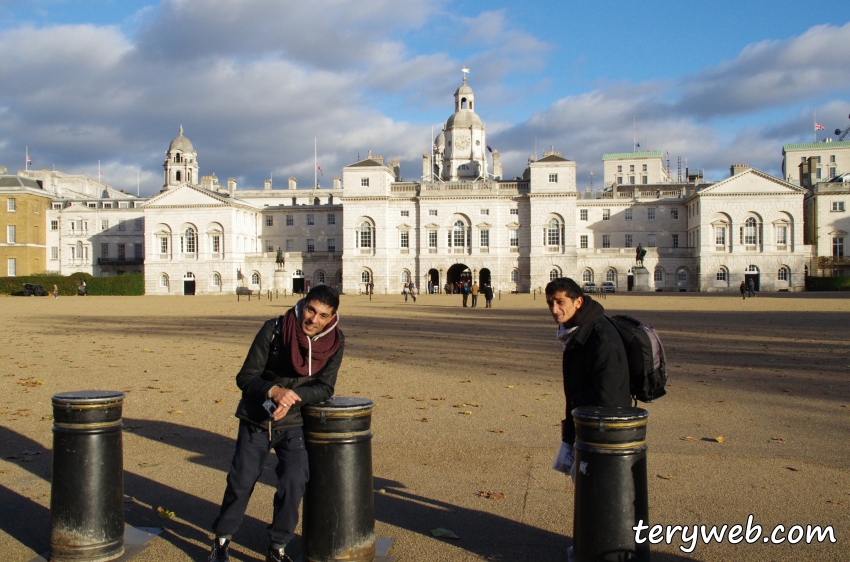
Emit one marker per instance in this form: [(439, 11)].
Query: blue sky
[(254, 81)]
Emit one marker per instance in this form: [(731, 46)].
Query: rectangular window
[(122, 252), (781, 235), (619, 180), (11, 234), (644, 167), (674, 214), (138, 251), (331, 218), (364, 182), (332, 244), (11, 267), (832, 173), (644, 180), (269, 220), (619, 168), (269, 246), (720, 236), (606, 240), (289, 220), (650, 240), (104, 225), (628, 214), (121, 225), (631, 180), (832, 158), (432, 212), (675, 240), (54, 253), (514, 239), (104, 251), (311, 246), (631, 167), (404, 239), (582, 214), (650, 213), (432, 238), (10, 205), (485, 211), (583, 241), (514, 211), (137, 225), (405, 213), (310, 221), (629, 241), (606, 214), (838, 247), (57, 206), (163, 245), (72, 252), (289, 245), (819, 173), (838, 206), (216, 244), (485, 239), (553, 178), (54, 225)]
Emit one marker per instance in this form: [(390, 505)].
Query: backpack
[(645, 354)]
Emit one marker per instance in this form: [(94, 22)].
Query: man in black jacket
[(293, 361), (596, 371)]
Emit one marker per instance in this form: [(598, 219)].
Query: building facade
[(23, 207)]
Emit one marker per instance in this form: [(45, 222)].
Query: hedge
[(131, 284), (828, 283)]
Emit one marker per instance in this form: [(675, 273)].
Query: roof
[(181, 143), (553, 158), (815, 145), (632, 155), (464, 119), (17, 181), (367, 163)]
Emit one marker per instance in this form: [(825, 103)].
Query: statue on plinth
[(640, 253)]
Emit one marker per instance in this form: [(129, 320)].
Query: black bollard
[(611, 494), (87, 488), (339, 507)]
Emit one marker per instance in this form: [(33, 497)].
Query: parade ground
[(466, 422)]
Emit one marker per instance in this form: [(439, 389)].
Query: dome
[(464, 120), (464, 90), (440, 142), (181, 143)]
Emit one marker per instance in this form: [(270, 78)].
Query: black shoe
[(277, 555), (219, 550)]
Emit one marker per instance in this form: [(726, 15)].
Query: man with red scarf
[(293, 361)]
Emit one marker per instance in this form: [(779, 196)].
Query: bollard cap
[(343, 403), (88, 397), (609, 413)]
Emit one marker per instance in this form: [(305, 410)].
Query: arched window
[(514, 276), (365, 235), (405, 276), (659, 275), (365, 277), (750, 232), (299, 273), (320, 278), (554, 274), (163, 281), (682, 275), (459, 238), (783, 274), (79, 250), (752, 269), (189, 242), (189, 176), (722, 274), (216, 280), (255, 278), (553, 233), (177, 175), (587, 276), (611, 275)]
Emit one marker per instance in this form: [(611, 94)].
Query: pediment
[(752, 182), (187, 196), (512, 225), (483, 225), (432, 226), (403, 227)]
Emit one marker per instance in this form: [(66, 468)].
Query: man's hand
[(284, 398)]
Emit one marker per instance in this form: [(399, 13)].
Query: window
[(832, 158), (750, 232), (610, 276), (310, 220), (104, 251), (720, 236), (606, 240), (269, 246), (820, 172), (404, 239), (138, 251), (216, 244), (659, 276), (582, 214), (137, 225), (619, 168), (432, 212), (255, 278), (674, 214), (553, 178), (188, 241), (650, 213), (54, 253), (405, 276), (631, 180), (832, 172), (458, 241), (782, 274), (644, 167), (629, 243), (11, 234), (650, 240), (485, 211), (269, 220), (311, 245), (514, 239), (721, 274), (405, 213), (554, 274), (364, 277), (553, 233), (320, 277), (10, 205), (364, 182), (163, 281), (289, 245), (484, 238), (838, 247), (54, 225), (606, 214), (365, 235), (514, 211), (464, 167), (587, 276), (332, 244), (838, 206), (675, 238), (122, 252), (432, 238), (331, 218), (289, 220), (121, 225), (583, 240), (216, 280), (514, 276), (682, 276), (644, 180), (123, 205), (619, 180), (631, 167), (163, 245), (628, 214), (781, 235), (299, 273), (57, 206)]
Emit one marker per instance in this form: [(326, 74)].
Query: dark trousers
[(465, 297), (252, 452)]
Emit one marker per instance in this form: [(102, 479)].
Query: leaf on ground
[(497, 431), (833, 501), (465, 381), (390, 396), (219, 401), (718, 439), (779, 440), (148, 464), (467, 413), (164, 513), (528, 415), (425, 419), (444, 533), (509, 386), (666, 477), (688, 438), (490, 495), (792, 469), (175, 411)]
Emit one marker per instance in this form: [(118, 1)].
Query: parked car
[(31, 290), (589, 287), (608, 287)]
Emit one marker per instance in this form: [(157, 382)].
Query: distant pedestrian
[(412, 289), (371, 288), (751, 288), (488, 296), (55, 291), (464, 290), (474, 290), (743, 288), (448, 289), (404, 292)]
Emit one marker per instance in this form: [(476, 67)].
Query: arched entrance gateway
[(434, 278), (752, 272), (189, 283), (459, 272), (484, 277)]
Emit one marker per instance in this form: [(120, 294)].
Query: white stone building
[(828, 225), (807, 164), (634, 168)]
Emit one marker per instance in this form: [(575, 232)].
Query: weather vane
[(465, 72)]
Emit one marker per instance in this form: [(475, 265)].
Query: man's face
[(315, 317), (562, 307)]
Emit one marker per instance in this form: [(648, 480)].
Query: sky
[(254, 82)]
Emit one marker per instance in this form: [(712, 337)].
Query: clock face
[(462, 142)]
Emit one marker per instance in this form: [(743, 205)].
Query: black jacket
[(596, 371), (258, 375)]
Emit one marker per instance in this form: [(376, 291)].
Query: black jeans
[(252, 452)]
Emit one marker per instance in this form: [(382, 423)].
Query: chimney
[(231, 185), (395, 166), (497, 165), (736, 169), (2, 169), (292, 183), (337, 183), (267, 184)]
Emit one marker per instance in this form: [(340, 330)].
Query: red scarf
[(298, 347)]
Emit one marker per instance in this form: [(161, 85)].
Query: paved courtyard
[(467, 401)]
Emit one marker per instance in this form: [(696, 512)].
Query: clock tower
[(461, 148)]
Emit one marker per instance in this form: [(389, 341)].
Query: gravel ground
[(467, 401)]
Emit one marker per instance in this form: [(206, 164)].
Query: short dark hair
[(325, 294), (566, 285)]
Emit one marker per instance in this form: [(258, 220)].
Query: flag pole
[(27, 158), (814, 125), (138, 180), (315, 166)]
